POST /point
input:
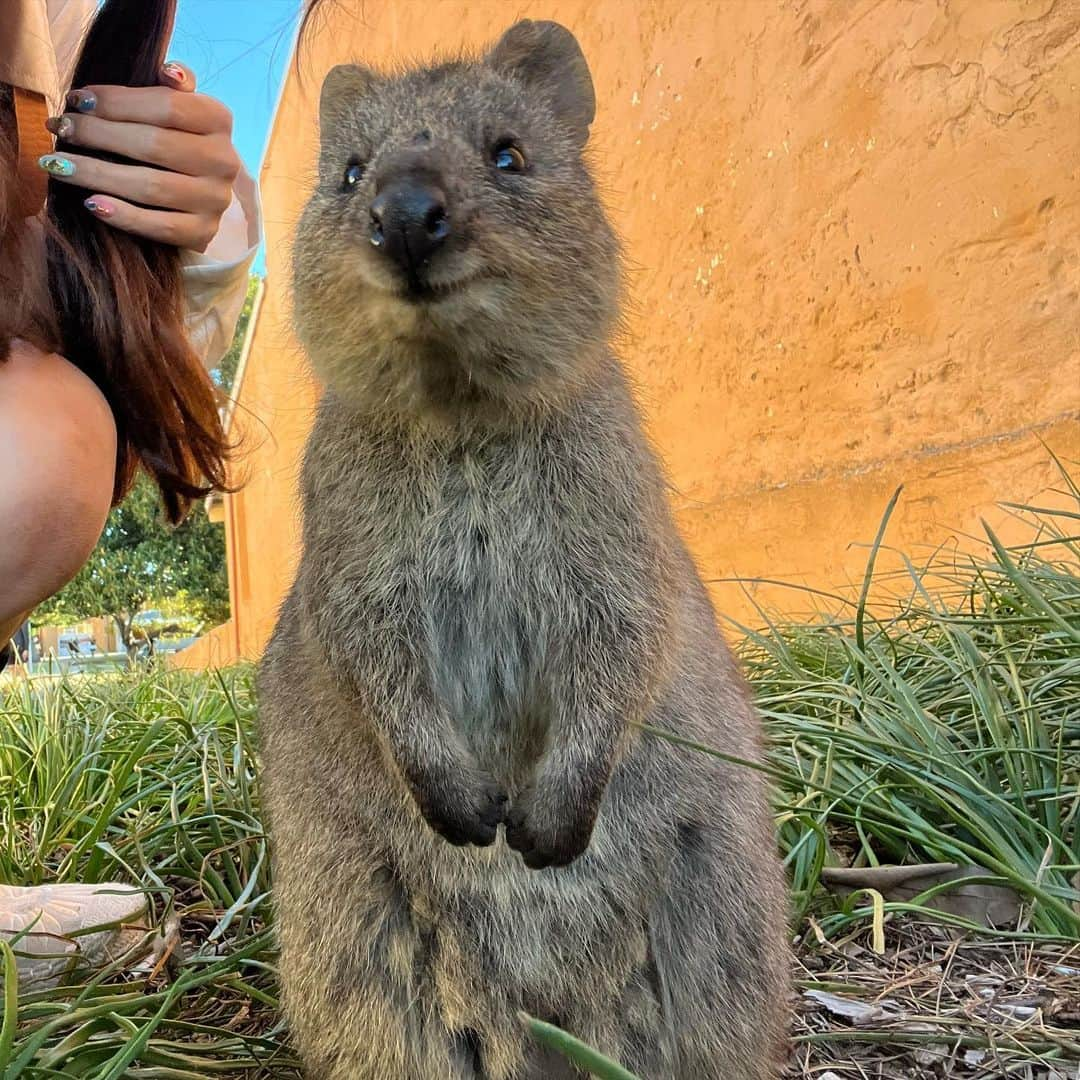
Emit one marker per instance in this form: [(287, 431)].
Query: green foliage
[(148, 780), (940, 727), (574, 1050), (140, 560), (225, 373)]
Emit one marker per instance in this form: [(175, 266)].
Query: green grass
[(931, 717), (942, 726), (148, 780)]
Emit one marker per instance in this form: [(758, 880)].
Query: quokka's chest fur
[(489, 583), (487, 548)]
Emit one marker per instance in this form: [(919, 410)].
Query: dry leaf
[(858, 1012), (990, 905)]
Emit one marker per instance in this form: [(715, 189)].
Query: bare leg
[(57, 463)]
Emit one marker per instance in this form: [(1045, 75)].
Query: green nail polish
[(55, 165)]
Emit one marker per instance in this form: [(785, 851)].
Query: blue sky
[(238, 50)]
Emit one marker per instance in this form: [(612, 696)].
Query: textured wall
[(852, 231)]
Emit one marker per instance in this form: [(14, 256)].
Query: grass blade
[(574, 1050)]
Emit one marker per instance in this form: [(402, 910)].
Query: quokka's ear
[(547, 58), (342, 88)]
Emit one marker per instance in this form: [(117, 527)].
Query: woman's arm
[(216, 280)]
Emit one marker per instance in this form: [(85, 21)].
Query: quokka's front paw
[(464, 809), (548, 831)]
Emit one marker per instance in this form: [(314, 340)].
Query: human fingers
[(142, 184), (179, 151), (193, 232), (159, 106)]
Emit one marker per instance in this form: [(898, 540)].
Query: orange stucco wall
[(852, 230)]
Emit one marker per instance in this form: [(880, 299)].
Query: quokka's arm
[(603, 677), (367, 646)]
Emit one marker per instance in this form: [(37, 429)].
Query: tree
[(225, 373), (141, 561)]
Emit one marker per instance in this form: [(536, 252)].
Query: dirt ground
[(937, 1003)]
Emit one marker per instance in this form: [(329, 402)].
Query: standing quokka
[(491, 603)]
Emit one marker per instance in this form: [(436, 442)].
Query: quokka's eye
[(354, 173), (508, 158)]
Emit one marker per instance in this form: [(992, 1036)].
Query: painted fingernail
[(82, 101), (175, 72), (60, 126), (99, 207), (56, 165)]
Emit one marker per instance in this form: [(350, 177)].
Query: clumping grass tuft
[(934, 722), (148, 780), (935, 718), (946, 729)]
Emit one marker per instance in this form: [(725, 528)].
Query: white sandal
[(56, 924)]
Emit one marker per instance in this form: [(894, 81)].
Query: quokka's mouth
[(420, 291)]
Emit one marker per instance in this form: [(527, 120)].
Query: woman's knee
[(58, 455)]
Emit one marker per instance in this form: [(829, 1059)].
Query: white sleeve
[(216, 280)]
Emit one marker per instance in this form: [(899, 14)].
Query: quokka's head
[(455, 254)]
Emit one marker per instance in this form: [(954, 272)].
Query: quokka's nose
[(409, 222)]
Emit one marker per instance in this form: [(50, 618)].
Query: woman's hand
[(188, 136)]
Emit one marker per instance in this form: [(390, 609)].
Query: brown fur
[(492, 596)]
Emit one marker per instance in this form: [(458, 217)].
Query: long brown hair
[(128, 293), (117, 300)]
